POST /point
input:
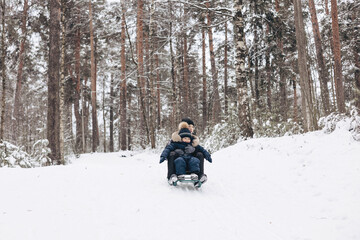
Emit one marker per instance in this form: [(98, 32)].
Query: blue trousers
[(192, 164)]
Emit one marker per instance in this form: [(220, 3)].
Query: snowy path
[(285, 188)]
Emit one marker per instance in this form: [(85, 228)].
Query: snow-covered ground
[(296, 187)]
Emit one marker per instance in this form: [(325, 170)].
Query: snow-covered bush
[(342, 121), (275, 127), (14, 156), (222, 135), (40, 153)]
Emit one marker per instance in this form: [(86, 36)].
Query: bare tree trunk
[(95, 129), (17, 101), (62, 84), (356, 50), (307, 104), (226, 70), (53, 114), (204, 95), (173, 75), (78, 141), (241, 81), (339, 86), (216, 110), (327, 7), (256, 59), (158, 92), (129, 139), (295, 100), (151, 39), (268, 74), (323, 75), (141, 80), (283, 93), (111, 113), (123, 115), (3, 68), (186, 92)]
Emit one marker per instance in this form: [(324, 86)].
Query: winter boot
[(181, 177), (194, 176), (173, 178), (203, 178)]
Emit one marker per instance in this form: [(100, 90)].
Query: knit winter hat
[(188, 121), (184, 130)]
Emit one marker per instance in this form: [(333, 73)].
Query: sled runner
[(197, 183)]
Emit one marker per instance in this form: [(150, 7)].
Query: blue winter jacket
[(173, 146)]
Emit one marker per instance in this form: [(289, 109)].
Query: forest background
[(84, 76)]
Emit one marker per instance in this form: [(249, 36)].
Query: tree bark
[(307, 104), (173, 74), (339, 86), (95, 129), (123, 115), (216, 110), (78, 142), (295, 101), (159, 125), (62, 84), (151, 39), (111, 113), (141, 80), (268, 73), (323, 75), (53, 114), (256, 59), (3, 71), (356, 50), (282, 84), (204, 95), (186, 93), (17, 101), (327, 7), (226, 70), (241, 81)]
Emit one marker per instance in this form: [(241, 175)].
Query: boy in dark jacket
[(185, 151)]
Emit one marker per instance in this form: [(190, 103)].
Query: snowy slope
[(297, 187)]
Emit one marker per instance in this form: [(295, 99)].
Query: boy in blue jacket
[(185, 150)]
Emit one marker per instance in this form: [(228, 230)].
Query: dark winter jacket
[(184, 149)]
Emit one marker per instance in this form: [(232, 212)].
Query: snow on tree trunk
[(241, 78), (53, 115), (95, 130), (307, 103), (323, 75), (3, 69), (123, 122), (216, 107), (17, 101), (62, 83), (339, 86), (140, 79)]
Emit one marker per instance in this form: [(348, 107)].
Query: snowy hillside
[(297, 187)]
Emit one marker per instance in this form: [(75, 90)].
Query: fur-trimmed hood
[(175, 137)]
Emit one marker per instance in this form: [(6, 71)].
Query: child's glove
[(162, 159), (208, 157)]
